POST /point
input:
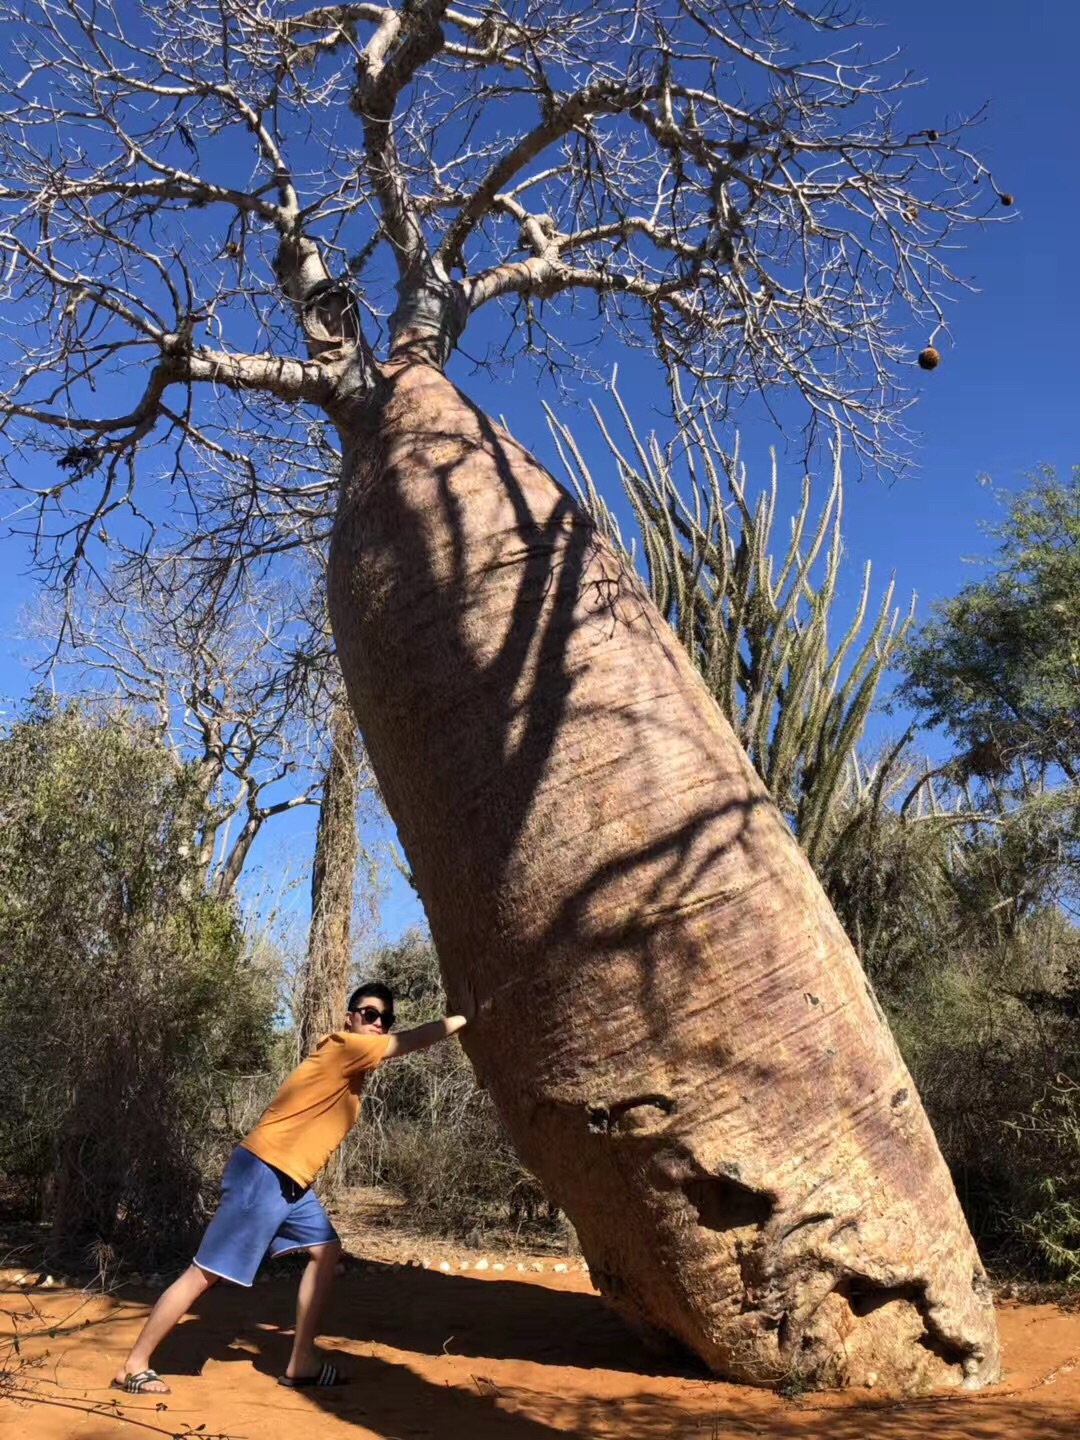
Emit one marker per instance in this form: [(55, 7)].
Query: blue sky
[(1005, 396)]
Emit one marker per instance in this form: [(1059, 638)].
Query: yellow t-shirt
[(316, 1106)]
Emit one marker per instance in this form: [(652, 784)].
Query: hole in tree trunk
[(605, 1119), (946, 1350), (864, 1298), (725, 1204)]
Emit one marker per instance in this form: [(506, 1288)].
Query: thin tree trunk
[(333, 875), (225, 881), (680, 1037)]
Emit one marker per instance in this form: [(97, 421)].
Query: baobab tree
[(276, 217)]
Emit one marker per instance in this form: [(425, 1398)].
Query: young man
[(267, 1206)]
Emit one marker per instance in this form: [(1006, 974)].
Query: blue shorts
[(262, 1212)]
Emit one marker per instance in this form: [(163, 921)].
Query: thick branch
[(286, 378), (546, 275), (401, 45), (279, 375), (176, 186)]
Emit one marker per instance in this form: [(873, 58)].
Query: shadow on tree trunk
[(605, 873)]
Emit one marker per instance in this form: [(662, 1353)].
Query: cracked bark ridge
[(679, 1036)]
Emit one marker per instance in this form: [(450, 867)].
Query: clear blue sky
[(1005, 397)]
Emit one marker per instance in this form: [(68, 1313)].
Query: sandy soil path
[(470, 1357)]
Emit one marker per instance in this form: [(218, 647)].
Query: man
[(267, 1206)]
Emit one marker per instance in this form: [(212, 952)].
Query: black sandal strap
[(136, 1384)]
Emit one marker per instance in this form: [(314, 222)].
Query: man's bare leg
[(173, 1304), (315, 1285)]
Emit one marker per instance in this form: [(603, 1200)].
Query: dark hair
[(377, 990)]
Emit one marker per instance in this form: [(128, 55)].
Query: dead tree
[(234, 688)]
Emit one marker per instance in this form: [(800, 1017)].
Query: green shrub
[(430, 1133), (993, 1063), (1049, 1134), (128, 998)]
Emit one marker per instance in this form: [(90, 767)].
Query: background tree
[(997, 667), (232, 684), (243, 689), (339, 855), (732, 185), (137, 987), (333, 877)]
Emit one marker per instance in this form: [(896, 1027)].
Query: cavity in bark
[(603, 1119), (864, 1297), (725, 1204)]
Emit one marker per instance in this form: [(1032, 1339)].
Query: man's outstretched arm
[(406, 1041)]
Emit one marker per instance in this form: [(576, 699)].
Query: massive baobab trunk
[(680, 1037)]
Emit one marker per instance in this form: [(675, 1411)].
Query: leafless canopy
[(209, 207), (239, 692)]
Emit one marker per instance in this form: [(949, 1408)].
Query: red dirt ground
[(503, 1356)]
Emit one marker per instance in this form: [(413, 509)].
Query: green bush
[(951, 901), (430, 1133), (128, 999), (1052, 1222), (995, 1057)]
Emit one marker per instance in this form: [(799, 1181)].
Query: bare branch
[(603, 97), (403, 43), (223, 199), (237, 686)]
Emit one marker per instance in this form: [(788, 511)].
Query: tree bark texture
[(679, 1037), (333, 876)]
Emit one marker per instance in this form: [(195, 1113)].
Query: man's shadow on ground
[(428, 1313)]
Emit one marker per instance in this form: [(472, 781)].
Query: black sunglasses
[(370, 1016)]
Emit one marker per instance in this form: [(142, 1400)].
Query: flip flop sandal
[(139, 1384), (329, 1375)]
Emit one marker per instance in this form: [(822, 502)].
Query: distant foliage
[(127, 998), (998, 665), (430, 1132)]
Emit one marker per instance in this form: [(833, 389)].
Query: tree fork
[(679, 1036)]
